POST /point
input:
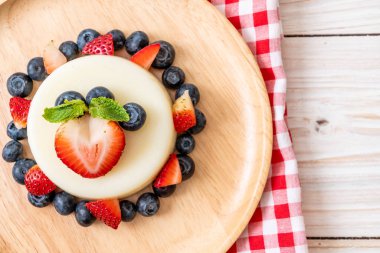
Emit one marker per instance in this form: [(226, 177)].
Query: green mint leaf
[(66, 111), (107, 108)]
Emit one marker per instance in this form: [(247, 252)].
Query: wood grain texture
[(330, 17), (232, 156), (352, 244), (334, 116), (344, 249)]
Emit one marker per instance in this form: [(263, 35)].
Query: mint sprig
[(107, 108), (68, 110), (101, 107)]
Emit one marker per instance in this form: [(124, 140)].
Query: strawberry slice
[(183, 113), (89, 146), (146, 56), (101, 45), (37, 183), (53, 58), (170, 173), (107, 210), (19, 111)]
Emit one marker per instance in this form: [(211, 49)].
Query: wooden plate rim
[(268, 141)]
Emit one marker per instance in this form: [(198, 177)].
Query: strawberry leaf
[(66, 111), (107, 108)]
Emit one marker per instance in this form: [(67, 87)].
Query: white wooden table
[(332, 59)]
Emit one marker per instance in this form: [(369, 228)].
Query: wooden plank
[(354, 244), (344, 246), (344, 250), (330, 17), (334, 116)]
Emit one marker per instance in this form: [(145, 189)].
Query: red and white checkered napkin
[(277, 225)]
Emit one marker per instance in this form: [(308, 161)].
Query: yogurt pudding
[(146, 150)]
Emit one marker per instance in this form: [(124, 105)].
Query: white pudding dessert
[(146, 150)]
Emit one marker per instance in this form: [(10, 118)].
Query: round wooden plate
[(208, 212)]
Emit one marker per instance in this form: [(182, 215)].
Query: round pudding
[(146, 150)]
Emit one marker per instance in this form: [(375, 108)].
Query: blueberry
[(128, 210), (118, 38), (68, 95), (15, 133), (137, 117), (99, 92), (187, 166), (20, 168), (12, 151), (83, 215), (165, 56), (69, 49), (173, 77), (64, 203), (201, 122), (148, 204), (164, 192), (86, 36), (136, 41), (41, 201), (185, 143), (19, 85), (36, 69), (193, 92)]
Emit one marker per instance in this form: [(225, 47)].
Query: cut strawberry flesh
[(170, 173), (19, 110), (107, 211), (146, 56), (53, 58), (183, 113), (90, 146)]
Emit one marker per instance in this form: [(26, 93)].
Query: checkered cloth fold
[(277, 225)]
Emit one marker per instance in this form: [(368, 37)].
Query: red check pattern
[(277, 225)]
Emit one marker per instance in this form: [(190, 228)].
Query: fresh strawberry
[(170, 173), (100, 45), (90, 146), (146, 56), (19, 110), (37, 183), (183, 113), (107, 210), (53, 58)]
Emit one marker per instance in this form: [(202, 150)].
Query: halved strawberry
[(146, 56), (100, 45), (37, 183), (90, 146), (170, 173), (19, 110), (183, 113), (107, 210), (53, 58)]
